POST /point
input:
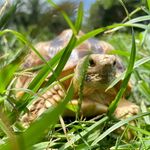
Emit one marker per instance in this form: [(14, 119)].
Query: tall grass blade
[(38, 80), (8, 14), (23, 39), (7, 72), (123, 5), (137, 64), (69, 22), (81, 80), (79, 17), (129, 70), (63, 60), (144, 144), (100, 30), (148, 4), (144, 89), (133, 21), (144, 109), (118, 125), (50, 117), (141, 61), (84, 133)]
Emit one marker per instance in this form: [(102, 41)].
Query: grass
[(94, 133)]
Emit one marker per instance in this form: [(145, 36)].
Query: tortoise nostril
[(91, 62)]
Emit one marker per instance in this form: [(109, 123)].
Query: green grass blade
[(139, 129), (79, 17), (148, 4), (63, 60), (100, 30), (133, 21), (4, 127), (145, 90), (118, 125), (144, 144), (50, 117), (9, 13), (69, 22), (81, 80), (144, 109), (132, 13), (7, 73), (129, 70), (84, 133), (44, 72), (123, 5), (41, 146), (120, 52), (116, 81), (141, 62), (38, 80), (137, 64), (23, 39)]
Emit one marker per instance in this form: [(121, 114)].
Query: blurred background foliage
[(38, 20), (107, 12)]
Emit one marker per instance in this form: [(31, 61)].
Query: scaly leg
[(126, 109), (88, 108)]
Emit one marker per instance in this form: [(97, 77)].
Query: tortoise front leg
[(126, 109), (89, 107), (93, 108)]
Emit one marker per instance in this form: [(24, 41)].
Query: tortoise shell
[(91, 106), (49, 49)]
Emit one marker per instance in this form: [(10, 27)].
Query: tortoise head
[(100, 72)]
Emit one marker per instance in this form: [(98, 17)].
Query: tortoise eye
[(114, 63), (91, 62)]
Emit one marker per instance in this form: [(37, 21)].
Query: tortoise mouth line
[(98, 77)]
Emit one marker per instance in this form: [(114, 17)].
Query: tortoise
[(102, 69)]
